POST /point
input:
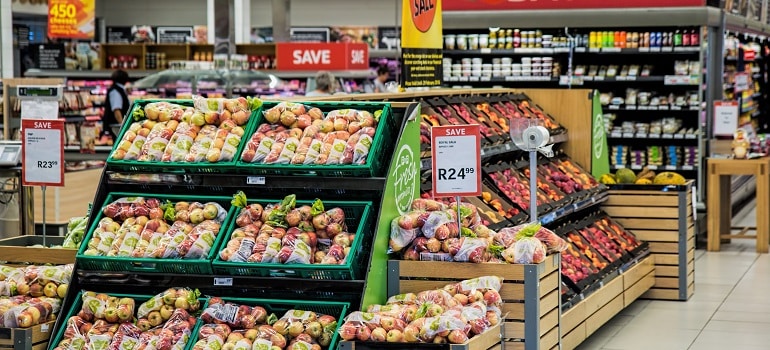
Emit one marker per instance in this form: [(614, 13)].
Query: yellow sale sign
[(421, 24), (71, 19)]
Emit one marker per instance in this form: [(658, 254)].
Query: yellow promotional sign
[(71, 19), (421, 43)]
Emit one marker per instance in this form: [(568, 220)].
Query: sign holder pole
[(459, 219), (42, 188), (533, 185)]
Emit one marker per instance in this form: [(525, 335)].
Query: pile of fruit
[(515, 187), (150, 228), (576, 173), (580, 260), (76, 231), (644, 177), (233, 326), (31, 295), (296, 134), (286, 234), (451, 315), (168, 132), (431, 232), (484, 129), (107, 322)]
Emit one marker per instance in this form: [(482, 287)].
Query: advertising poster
[(422, 44), (71, 19)]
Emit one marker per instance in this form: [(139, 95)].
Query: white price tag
[(456, 153), (223, 281), (42, 152), (255, 180), (36, 109)]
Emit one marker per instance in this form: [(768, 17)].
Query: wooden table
[(719, 208)]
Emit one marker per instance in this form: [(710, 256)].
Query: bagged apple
[(126, 338), (552, 241), (441, 224), (422, 204), (176, 298), (404, 229), (528, 249), (471, 250)]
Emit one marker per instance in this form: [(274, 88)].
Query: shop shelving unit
[(256, 186)]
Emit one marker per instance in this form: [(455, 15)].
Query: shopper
[(117, 104), (324, 84), (383, 73)]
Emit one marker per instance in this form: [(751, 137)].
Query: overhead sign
[(456, 151), (322, 56), (421, 43), (487, 5), (42, 152), (71, 19)]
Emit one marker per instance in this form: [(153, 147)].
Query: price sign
[(456, 153), (71, 19), (42, 152)]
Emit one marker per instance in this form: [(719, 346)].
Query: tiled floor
[(730, 308)]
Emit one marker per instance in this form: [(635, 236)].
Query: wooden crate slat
[(657, 235), (574, 337), (646, 224), (637, 272), (515, 330), (621, 198), (670, 248), (549, 321), (550, 339), (641, 212), (38, 335), (667, 271), (604, 295), (462, 271), (647, 193), (549, 302), (573, 317), (600, 317), (634, 292), (549, 283), (484, 340)]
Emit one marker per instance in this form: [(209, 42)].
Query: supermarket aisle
[(730, 308)]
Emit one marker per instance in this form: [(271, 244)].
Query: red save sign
[(322, 56), (456, 153), (42, 147), (482, 5)]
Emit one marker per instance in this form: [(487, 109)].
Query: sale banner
[(321, 56), (493, 5), (421, 43), (71, 19), (456, 153), (42, 151)]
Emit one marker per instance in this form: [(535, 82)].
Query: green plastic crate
[(358, 219), (387, 131), (153, 265), (279, 307), (58, 336), (178, 167)]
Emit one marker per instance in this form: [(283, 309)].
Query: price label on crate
[(42, 152), (456, 151)]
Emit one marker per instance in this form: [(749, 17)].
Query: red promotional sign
[(71, 19), (42, 147), (496, 5), (322, 56), (456, 151)]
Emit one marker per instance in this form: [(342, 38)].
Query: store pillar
[(242, 21), (6, 39), (281, 20)]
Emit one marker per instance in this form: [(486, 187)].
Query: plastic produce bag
[(528, 249), (403, 230)]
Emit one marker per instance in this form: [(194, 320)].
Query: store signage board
[(600, 159), (725, 118), (42, 152), (421, 43), (742, 82), (71, 19), (322, 56), (456, 153), (487, 5)]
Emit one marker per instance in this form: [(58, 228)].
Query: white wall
[(30, 9), (330, 13), (152, 12)]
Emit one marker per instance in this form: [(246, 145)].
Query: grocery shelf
[(96, 148), (543, 79), (630, 135), (575, 207), (83, 74), (650, 108), (656, 167), (382, 53), (642, 50)]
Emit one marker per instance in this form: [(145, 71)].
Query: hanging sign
[(71, 19), (742, 82), (42, 149), (421, 43), (322, 56), (456, 151), (725, 118), (493, 5)]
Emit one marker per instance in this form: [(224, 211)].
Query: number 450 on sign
[(456, 160)]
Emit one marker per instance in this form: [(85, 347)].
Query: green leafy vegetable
[(317, 208), (239, 200)]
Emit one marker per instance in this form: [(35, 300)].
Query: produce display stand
[(21, 250), (362, 286), (530, 294), (616, 293), (663, 216), (33, 338), (489, 340)]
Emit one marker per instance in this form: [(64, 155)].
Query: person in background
[(117, 104), (383, 73), (324, 84)]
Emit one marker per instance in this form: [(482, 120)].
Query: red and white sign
[(725, 118), (456, 151), (496, 5), (42, 147), (322, 56)]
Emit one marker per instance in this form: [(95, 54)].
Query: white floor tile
[(644, 338)]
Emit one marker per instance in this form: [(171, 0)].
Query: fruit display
[(161, 307), (495, 116), (451, 315), (549, 189), (238, 326), (485, 130), (502, 209), (431, 232), (565, 183), (285, 233), (644, 177), (576, 173), (107, 322), (520, 106), (76, 231), (575, 266), (515, 187), (625, 239), (167, 132), (23, 311), (605, 245), (299, 134), (141, 227)]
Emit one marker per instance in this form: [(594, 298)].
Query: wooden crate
[(489, 340), (662, 216), (530, 294), (33, 338), (19, 250)]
